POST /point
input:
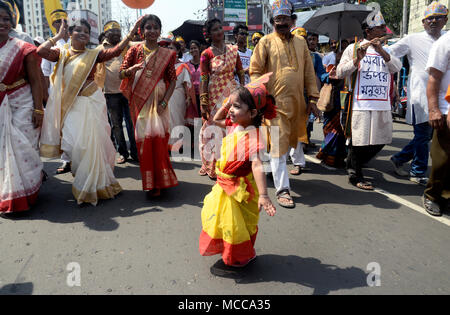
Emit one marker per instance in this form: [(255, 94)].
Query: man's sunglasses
[(436, 18)]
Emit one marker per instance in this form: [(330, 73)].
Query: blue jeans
[(118, 111), (417, 150)]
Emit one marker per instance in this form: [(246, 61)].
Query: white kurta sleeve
[(394, 65), (400, 48), (346, 66)]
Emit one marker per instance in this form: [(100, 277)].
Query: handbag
[(324, 103)]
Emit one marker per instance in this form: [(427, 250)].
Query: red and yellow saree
[(145, 90)]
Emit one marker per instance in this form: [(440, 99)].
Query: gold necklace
[(222, 51), (76, 50), (148, 51), (148, 73)]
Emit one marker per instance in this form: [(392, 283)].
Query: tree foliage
[(392, 11)]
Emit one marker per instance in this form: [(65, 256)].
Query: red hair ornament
[(265, 103)]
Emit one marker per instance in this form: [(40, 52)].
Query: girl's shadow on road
[(308, 272)]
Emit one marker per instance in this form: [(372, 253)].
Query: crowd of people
[(155, 84)]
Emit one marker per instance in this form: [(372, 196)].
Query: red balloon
[(138, 4)]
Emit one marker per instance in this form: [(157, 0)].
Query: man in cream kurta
[(288, 57), (370, 114)]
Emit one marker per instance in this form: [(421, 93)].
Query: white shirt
[(245, 60), (440, 60), (372, 88), (329, 59), (417, 48), (48, 66)]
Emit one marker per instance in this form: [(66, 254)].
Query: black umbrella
[(338, 21), (190, 30)]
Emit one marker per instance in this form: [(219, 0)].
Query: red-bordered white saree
[(20, 164)]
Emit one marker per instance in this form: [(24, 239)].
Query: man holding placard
[(369, 120)]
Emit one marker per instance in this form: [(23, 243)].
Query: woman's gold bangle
[(38, 111), (52, 41), (313, 101)]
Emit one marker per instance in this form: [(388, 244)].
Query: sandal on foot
[(64, 168), (364, 185), (244, 264), (284, 194), (156, 192), (202, 172), (121, 160), (296, 171)]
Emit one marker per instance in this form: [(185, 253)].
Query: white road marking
[(393, 197)]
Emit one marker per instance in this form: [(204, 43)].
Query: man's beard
[(282, 28)]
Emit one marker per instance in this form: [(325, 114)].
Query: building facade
[(259, 13), (35, 21), (102, 8), (416, 11)]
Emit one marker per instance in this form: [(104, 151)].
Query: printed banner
[(300, 4), (50, 6), (235, 11)]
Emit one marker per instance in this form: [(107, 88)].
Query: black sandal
[(64, 168)]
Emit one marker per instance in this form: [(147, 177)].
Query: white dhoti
[(298, 156)]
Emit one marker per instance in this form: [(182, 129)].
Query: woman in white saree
[(75, 120), (20, 120)]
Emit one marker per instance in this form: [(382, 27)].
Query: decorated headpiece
[(111, 25), (375, 18), (15, 12), (436, 8), (299, 31), (265, 103), (281, 7), (58, 15), (179, 39), (257, 35)]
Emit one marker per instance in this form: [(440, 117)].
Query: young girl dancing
[(231, 210)]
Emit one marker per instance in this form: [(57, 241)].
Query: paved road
[(132, 245)]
